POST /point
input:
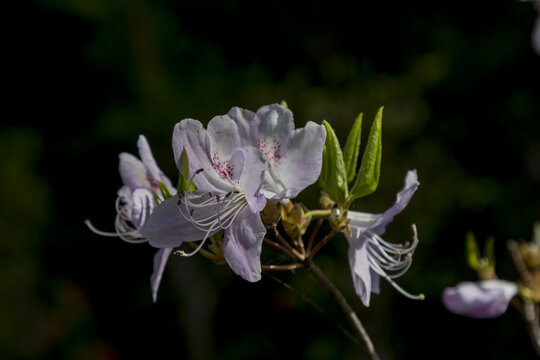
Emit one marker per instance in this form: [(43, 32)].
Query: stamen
[(184, 254), (99, 232), (224, 208), (391, 260)]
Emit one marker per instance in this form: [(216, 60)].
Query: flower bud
[(293, 220)]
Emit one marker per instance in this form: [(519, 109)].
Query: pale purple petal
[(273, 124), (126, 196), (224, 137), (242, 118), (143, 205), (485, 299), (189, 135), (160, 261), (167, 227), (133, 172), (402, 199), (359, 264), (300, 165), (154, 172), (243, 243), (252, 178), (375, 282)]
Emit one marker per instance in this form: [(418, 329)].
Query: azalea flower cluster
[(238, 178), (490, 297)]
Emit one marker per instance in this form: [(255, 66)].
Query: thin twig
[(513, 247), (279, 247), (317, 307), (313, 234), (282, 267), (530, 309), (323, 242), (345, 307), (286, 244)]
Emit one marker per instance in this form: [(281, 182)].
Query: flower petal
[(133, 172), (402, 199), (272, 122), (143, 205), (160, 260), (243, 243), (149, 162), (125, 196), (252, 177), (485, 299), (167, 227), (300, 165), (225, 140), (242, 118), (359, 264), (189, 135)]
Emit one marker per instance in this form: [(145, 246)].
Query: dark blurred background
[(461, 88)]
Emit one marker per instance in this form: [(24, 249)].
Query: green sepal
[(367, 179), (333, 178), (284, 104), (164, 190), (352, 147), (473, 252), (489, 251), (183, 184), (156, 197), (183, 165)]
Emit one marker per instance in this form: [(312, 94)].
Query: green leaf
[(333, 177), (489, 251), (164, 190), (156, 197), (183, 164), (367, 179), (473, 252), (352, 147), (183, 182)]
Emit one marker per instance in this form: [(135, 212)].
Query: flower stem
[(345, 307), (316, 214), (531, 310), (282, 267), (323, 242)]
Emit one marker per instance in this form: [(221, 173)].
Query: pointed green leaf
[(284, 104), (183, 164), (367, 179), (352, 147), (164, 190), (489, 251), (473, 253), (156, 197), (333, 178), (183, 182)]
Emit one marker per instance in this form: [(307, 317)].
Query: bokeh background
[(461, 88)]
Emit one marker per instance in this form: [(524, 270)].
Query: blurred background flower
[(461, 89)]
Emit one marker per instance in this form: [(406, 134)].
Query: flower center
[(271, 148), (223, 168)]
